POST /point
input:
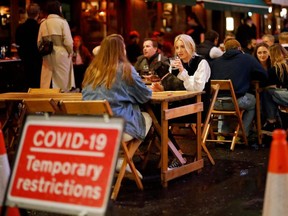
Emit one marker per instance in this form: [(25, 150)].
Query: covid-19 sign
[(66, 164)]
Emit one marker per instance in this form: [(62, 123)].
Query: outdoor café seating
[(102, 107)]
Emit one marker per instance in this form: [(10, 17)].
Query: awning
[(280, 2), (180, 2), (255, 6)]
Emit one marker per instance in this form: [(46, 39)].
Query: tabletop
[(19, 96), (170, 96)]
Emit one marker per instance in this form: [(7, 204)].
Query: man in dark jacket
[(26, 39), (148, 61), (241, 69), (208, 48)]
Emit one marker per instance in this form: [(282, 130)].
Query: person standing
[(81, 59), (57, 67), (195, 29), (26, 39), (246, 31)]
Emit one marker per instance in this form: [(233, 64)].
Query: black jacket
[(240, 68)]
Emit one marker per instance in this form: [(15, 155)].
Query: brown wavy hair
[(103, 68)]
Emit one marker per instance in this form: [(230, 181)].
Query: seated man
[(150, 57), (241, 69)]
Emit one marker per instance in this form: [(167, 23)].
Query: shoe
[(119, 165), (219, 137), (174, 164), (270, 127)]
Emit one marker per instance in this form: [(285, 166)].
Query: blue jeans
[(247, 103), (271, 99)]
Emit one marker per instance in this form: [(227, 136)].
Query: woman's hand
[(156, 87), (178, 64)]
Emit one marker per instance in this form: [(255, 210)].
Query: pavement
[(234, 186)]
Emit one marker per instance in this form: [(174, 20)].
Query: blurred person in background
[(81, 59), (133, 49), (283, 39), (208, 49), (164, 47), (195, 29), (57, 67), (228, 35), (268, 39), (246, 31), (26, 39), (249, 49)]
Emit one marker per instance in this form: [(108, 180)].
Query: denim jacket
[(124, 100)]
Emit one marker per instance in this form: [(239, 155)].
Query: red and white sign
[(66, 164)]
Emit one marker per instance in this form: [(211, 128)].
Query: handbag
[(46, 45)]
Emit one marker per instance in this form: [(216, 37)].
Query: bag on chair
[(45, 47)]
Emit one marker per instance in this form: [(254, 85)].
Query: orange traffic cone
[(276, 192), (4, 176)]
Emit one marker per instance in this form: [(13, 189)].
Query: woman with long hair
[(111, 76), (276, 91), (261, 53)]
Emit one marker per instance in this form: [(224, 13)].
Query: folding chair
[(44, 90), (227, 87), (41, 106), (100, 107)]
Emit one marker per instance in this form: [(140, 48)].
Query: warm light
[(270, 10), (229, 23), (269, 26), (283, 13), (278, 26), (102, 13), (250, 14), (168, 7)]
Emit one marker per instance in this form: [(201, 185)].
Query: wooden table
[(164, 98), (19, 96), (13, 119), (257, 88)]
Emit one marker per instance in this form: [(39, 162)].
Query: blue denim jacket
[(124, 100)]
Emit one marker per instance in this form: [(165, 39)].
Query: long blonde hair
[(279, 56), (105, 64), (188, 42)]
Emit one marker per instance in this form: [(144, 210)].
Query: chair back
[(43, 105), (227, 86), (88, 107), (44, 90)]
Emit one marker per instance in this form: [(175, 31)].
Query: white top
[(198, 80)]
